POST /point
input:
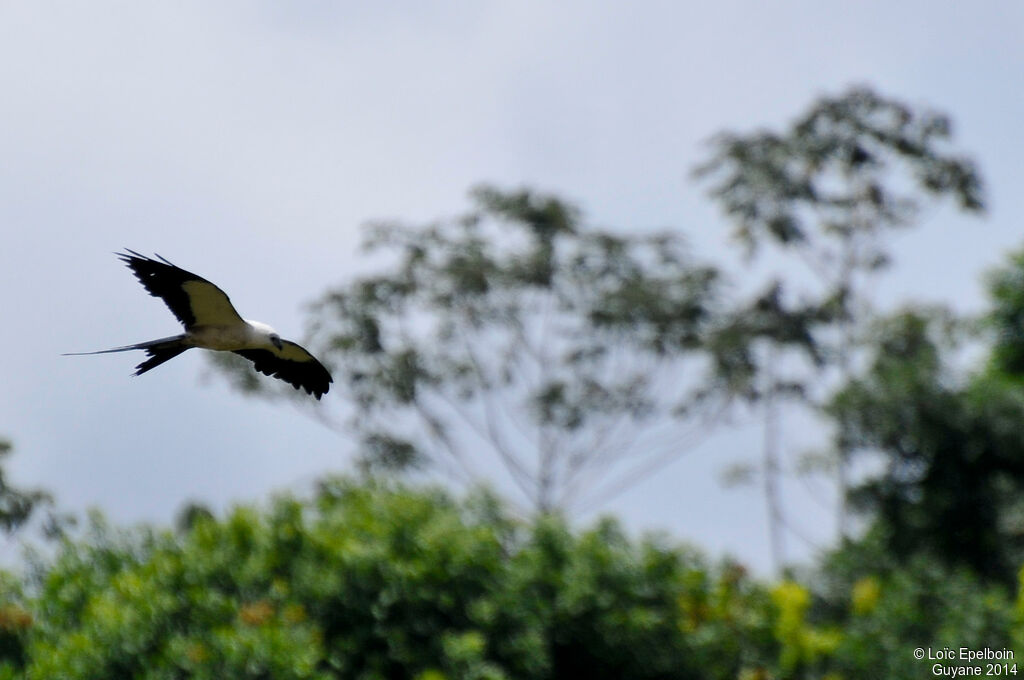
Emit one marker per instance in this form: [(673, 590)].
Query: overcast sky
[(248, 141)]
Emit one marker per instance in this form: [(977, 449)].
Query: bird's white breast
[(230, 338)]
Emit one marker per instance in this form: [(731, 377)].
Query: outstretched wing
[(192, 299), (293, 364)]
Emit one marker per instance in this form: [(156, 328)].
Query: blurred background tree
[(584, 359), (949, 440), (18, 505), (823, 196), (514, 331)]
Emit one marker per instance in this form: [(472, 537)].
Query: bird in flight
[(211, 322)]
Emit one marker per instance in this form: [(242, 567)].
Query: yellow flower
[(865, 595)]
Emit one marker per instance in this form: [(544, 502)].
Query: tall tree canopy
[(583, 358), (823, 194), (518, 331)]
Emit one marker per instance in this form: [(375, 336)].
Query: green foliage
[(951, 450), (1006, 318), (830, 176), (823, 194), (740, 368), (366, 582), (18, 505), (885, 607), (373, 581)]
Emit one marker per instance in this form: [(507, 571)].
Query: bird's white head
[(265, 332)]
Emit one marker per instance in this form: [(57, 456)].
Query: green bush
[(371, 581), (379, 581)]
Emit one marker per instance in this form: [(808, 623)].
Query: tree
[(583, 359), (753, 348), (514, 329), (949, 439), (370, 580), (951, 445), (377, 580), (1005, 320), (826, 192), (17, 506)]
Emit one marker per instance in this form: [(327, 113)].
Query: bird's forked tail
[(159, 351)]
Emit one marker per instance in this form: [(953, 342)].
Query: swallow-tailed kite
[(211, 322)]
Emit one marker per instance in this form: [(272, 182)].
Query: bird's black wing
[(191, 298), (293, 364)]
